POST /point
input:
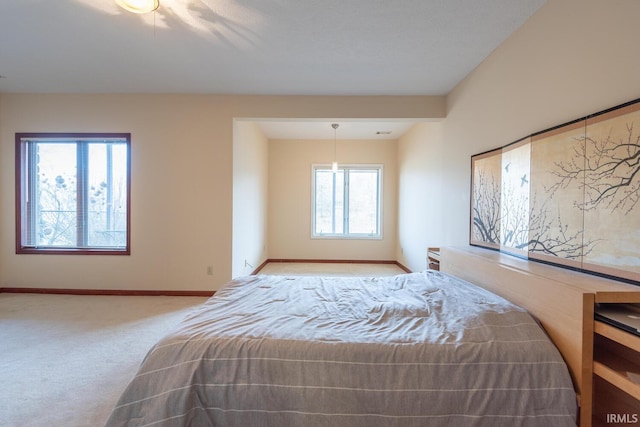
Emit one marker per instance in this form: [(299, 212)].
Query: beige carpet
[(330, 269), (65, 359)]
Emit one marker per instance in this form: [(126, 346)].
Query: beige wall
[(180, 189), (250, 197), (5, 189), (290, 197), (420, 190), (572, 58), (182, 179)]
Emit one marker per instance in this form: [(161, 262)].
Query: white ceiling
[(270, 47), (347, 129)]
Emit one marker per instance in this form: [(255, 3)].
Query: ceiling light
[(139, 6)]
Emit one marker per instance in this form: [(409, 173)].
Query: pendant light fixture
[(334, 166), (139, 6)]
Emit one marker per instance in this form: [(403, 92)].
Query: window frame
[(21, 190), (379, 213)]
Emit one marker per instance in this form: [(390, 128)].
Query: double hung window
[(73, 193), (347, 202)]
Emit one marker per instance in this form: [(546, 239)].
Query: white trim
[(351, 236)]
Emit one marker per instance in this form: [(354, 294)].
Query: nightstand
[(433, 258)]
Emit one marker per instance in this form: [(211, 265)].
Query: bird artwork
[(523, 180), (506, 167)]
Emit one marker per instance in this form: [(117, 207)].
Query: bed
[(410, 350)]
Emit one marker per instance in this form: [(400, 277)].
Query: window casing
[(73, 193), (347, 204)]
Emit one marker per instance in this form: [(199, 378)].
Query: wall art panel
[(568, 195), (514, 197), (611, 207), (556, 232), (486, 179)]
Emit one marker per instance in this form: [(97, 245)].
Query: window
[(346, 203), (72, 193)]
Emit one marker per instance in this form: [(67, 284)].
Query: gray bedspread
[(421, 349)]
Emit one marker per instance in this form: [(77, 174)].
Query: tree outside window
[(73, 193)]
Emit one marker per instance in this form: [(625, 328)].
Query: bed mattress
[(410, 350)]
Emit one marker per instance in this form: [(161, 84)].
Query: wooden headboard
[(562, 301)]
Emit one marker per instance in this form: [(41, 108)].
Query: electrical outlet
[(209, 270)]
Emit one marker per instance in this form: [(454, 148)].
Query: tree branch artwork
[(550, 235), (569, 195), (486, 209), (506, 216), (608, 170)]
